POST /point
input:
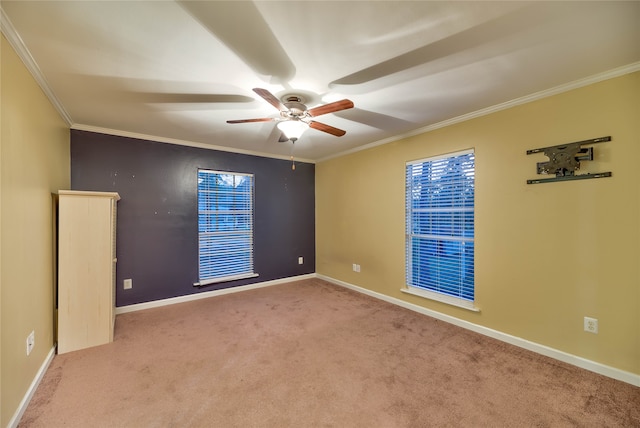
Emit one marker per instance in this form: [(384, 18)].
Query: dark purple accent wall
[(157, 233)]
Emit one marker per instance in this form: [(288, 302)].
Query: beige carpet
[(311, 354)]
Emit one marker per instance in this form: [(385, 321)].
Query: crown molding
[(18, 45), (616, 72), (158, 139)]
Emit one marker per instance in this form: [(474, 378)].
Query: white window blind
[(440, 225), (225, 226)]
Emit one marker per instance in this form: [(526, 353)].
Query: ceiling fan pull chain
[(293, 162)]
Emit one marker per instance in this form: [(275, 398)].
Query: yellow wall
[(34, 162), (546, 254)]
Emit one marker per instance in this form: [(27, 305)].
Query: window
[(440, 228), (225, 226)]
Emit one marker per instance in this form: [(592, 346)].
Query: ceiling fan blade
[(270, 98), (327, 128), (276, 136), (262, 119), (330, 108)]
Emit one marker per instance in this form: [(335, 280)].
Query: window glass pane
[(225, 224), (440, 225)]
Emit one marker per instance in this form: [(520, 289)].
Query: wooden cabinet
[(86, 268)]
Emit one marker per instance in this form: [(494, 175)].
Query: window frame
[(411, 286), (203, 277)]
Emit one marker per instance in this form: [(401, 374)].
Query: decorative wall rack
[(564, 161)]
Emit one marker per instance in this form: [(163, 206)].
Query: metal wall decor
[(564, 161)]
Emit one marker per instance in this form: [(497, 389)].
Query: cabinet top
[(113, 195)]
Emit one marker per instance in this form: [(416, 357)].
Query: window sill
[(225, 279), (453, 301)]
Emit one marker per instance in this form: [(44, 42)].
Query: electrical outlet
[(128, 283), (591, 325), (31, 342), (300, 260), (356, 267)]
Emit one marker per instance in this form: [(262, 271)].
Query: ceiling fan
[(295, 118)]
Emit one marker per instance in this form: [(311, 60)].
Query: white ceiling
[(177, 70)]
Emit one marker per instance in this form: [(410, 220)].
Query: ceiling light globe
[(292, 129)]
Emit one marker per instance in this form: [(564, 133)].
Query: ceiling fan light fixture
[(292, 129)]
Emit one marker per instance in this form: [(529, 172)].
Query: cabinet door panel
[(86, 271)]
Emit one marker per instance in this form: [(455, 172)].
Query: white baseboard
[(612, 372), (32, 389), (206, 294)]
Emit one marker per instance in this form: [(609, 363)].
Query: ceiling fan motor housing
[(296, 107)]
